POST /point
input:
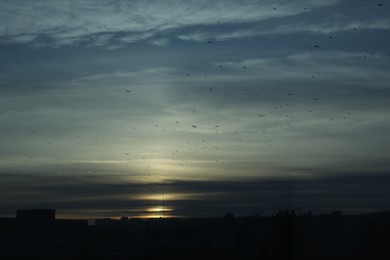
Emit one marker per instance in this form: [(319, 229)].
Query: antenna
[(163, 200)]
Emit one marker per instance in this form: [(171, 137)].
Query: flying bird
[(380, 4), (128, 90), (194, 126), (316, 46)]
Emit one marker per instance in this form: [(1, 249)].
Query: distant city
[(37, 233)]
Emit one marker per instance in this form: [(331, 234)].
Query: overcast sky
[(120, 108)]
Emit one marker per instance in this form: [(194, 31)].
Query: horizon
[(230, 215)]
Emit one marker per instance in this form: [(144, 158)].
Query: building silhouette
[(37, 233)]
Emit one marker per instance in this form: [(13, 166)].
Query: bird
[(128, 90), (316, 98), (380, 4), (355, 29), (261, 115), (209, 41), (194, 126), (316, 46), (210, 89), (244, 67)]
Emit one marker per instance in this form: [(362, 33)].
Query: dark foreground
[(38, 235)]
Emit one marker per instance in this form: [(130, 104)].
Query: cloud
[(61, 23), (160, 42), (93, 118), (351, 193), (341, 18)]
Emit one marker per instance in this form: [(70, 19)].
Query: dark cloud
[(358, 192)]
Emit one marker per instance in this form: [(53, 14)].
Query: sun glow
[(159, 212)]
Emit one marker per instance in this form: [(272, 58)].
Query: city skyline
[(114, 108)]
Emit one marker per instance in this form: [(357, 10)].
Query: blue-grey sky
[(113, 108)]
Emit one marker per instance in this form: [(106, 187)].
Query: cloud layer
[(100, 23), (112, 195)]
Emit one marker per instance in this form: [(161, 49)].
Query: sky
[(194, 108)]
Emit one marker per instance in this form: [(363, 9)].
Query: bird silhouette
[(316, 46)]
